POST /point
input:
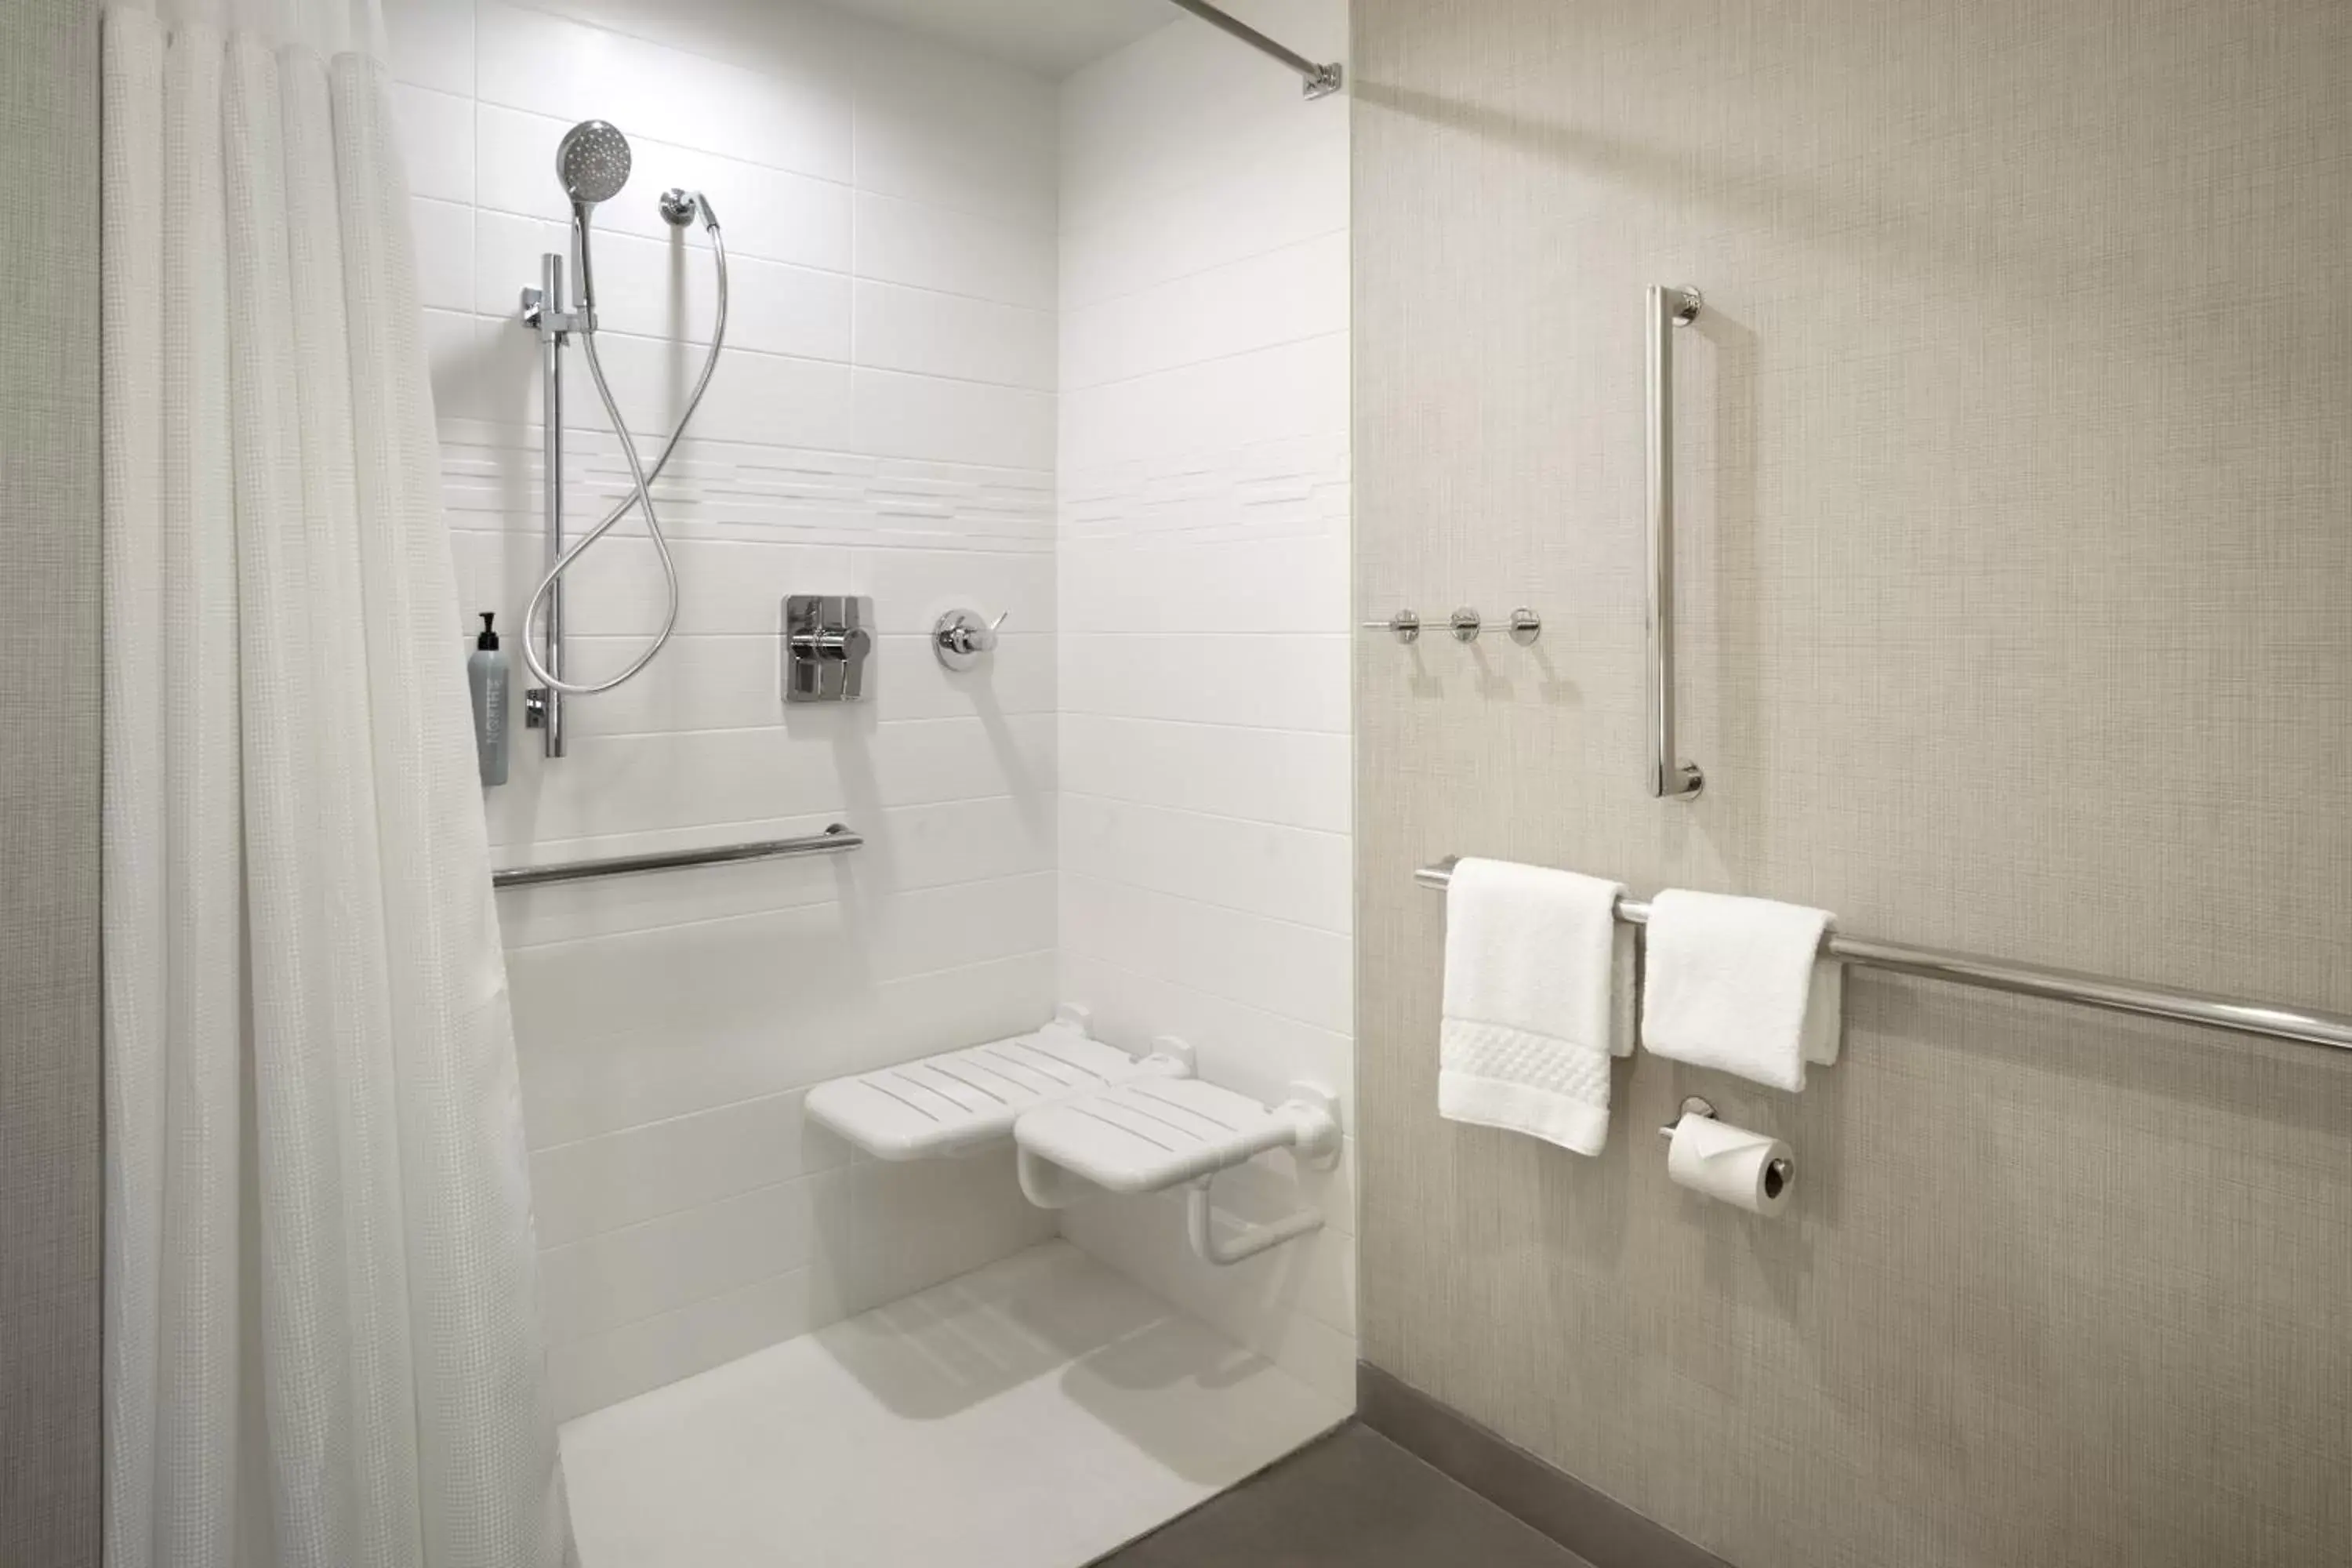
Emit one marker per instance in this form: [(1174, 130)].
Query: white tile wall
[(1205, 869), (1081, 357), (884, 423)]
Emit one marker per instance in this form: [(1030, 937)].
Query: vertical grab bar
[(1670, 778)]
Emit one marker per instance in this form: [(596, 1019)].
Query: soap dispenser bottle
[(486, 677)]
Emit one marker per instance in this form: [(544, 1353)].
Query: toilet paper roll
[(1730, 1164)]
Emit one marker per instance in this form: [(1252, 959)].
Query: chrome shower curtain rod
[(1318, 80)]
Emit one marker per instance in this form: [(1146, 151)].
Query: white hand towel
[(1538, 996), (1740, 984)]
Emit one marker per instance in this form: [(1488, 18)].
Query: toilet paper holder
[(1779, 1176)]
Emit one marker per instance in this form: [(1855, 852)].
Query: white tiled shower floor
[(1035, 1414)]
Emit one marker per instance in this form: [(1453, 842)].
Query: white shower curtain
[(322, 1326)]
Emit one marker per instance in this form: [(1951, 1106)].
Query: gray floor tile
[(1353, 1501)]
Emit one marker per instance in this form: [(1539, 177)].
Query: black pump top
[(488, 640)]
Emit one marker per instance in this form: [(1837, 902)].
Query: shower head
[(592, 163)]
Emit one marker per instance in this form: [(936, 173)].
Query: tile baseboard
[(1586, 1521)]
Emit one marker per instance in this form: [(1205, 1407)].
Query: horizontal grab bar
[(835, 840), (2295, 1023)]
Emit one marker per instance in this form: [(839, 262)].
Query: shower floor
[(1036, 1414)]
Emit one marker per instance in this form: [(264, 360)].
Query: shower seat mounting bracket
[(1153, 1136)]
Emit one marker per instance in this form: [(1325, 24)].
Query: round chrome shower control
[(960, 638)]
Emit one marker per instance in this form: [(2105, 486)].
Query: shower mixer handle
[(841, 643)]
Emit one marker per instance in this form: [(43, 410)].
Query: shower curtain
[(322, 1339)]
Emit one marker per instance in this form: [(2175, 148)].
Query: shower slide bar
[(837, 839), (1316, 81), (2243, 1017)]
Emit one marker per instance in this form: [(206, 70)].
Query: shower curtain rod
[(1318, 80), (2244, 1017)]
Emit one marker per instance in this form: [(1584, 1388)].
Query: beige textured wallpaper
[(49, 1177), (2017, 555)]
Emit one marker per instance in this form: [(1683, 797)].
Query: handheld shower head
[(592, 163)]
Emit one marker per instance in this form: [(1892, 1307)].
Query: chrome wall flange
[(961, 638)]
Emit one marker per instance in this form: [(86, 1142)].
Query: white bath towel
[(1740, 984), (1538, 996)]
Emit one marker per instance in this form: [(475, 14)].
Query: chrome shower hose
[(641, 480)]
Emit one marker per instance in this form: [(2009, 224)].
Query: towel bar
[(2300, 1025)]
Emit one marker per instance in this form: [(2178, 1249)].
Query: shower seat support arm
[(1201, 1224)]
